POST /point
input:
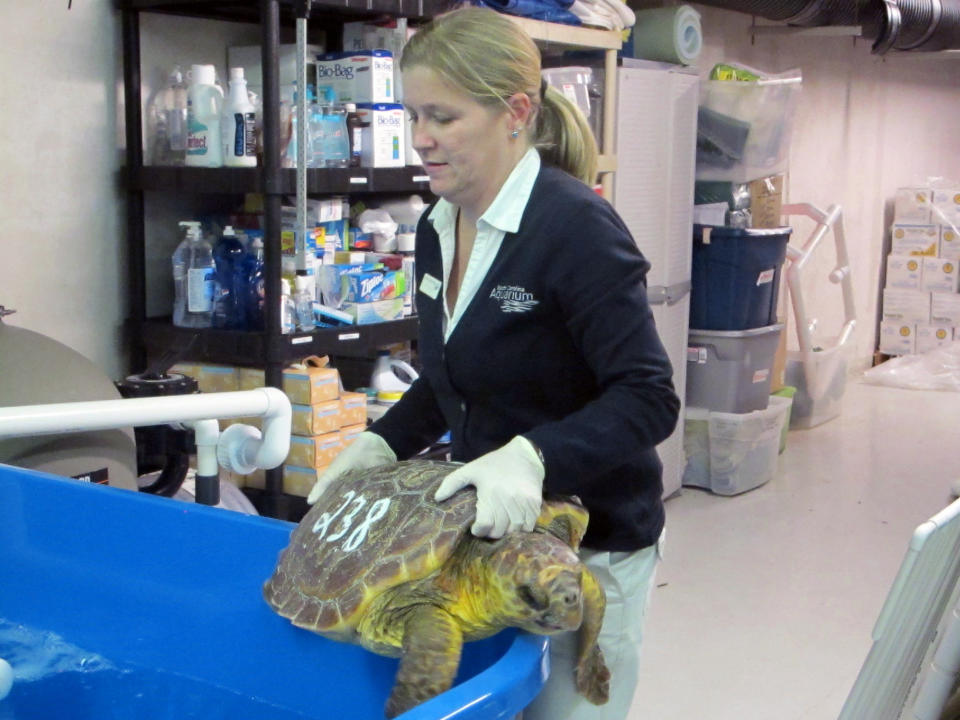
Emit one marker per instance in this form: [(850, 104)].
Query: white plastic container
[(238, 124), (730, 453), (204, 103), (391, 374)]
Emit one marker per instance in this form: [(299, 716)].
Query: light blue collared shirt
[(502, 217)]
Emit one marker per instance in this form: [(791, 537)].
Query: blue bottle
[(252, 279), (228, 308)]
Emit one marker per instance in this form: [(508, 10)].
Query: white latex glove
[(367, 451), (509, 484)]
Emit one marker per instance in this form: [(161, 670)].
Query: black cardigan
[(559, 345)]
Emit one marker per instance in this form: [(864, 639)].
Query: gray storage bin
[(730, 370)]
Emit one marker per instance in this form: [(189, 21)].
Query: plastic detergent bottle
[(228, 256), (253, 283), (391, 374), (204, 102), (193, 279), (238, 124), (303, 302)]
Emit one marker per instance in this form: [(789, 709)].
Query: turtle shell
[(371, 530)]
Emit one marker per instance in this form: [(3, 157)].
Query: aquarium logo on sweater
[(514, 298)]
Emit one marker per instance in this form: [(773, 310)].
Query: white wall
[(864, 126), (63, 262)]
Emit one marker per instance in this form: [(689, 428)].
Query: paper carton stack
[(921, 303)]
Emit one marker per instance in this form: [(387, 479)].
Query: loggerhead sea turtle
[(378, 562)]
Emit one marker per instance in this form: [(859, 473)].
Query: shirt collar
[(506, 210)]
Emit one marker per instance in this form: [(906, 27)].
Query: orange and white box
[(933, 336), (353, 408), (311, 385), (914, 239), (316, 419), (315, 451), (299, 481), (349, 433), (897, 338)]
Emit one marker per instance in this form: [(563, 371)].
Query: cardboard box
[(897, 338), (315, 451), (914, 239), (912, 205), (945, 309), (250, 378), (382, 142), (353, 408), (299, 481), (949, 242), (766, 199), (316, 419), (933, 336), (904, 271), (312, 383), (375, 312), (218, 378), (946, 206), (939, 275), (358, 76), (349, 433), (906, 307)]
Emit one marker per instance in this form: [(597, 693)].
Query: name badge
[(430, 286)]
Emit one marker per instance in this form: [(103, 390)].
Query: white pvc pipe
[(267, 451)]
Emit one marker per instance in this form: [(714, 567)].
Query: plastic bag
[(378, 223), (938, 369)]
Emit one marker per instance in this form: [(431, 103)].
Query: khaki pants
[(627, 579)]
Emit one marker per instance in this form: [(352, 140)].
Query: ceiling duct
[(926, 25)]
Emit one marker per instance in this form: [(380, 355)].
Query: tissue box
[(315, 451), (914, 239), (358, 76), (382, 143), (375, 312)]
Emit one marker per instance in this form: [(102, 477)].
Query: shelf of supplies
[(249, 10), (571, 36), (244, 180), (243, 348)]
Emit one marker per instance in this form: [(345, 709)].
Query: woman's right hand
[(366, 451)]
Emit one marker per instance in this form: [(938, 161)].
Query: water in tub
[(54, 679)]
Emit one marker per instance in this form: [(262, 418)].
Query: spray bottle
[(193, 279)]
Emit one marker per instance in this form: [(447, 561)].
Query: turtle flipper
[(432, 641), (592, 674)]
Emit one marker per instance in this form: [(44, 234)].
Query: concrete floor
[(765, 601)]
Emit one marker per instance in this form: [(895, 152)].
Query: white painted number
[(375, 512)]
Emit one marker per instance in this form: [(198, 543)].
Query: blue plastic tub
[(735, 276), (158, 603)]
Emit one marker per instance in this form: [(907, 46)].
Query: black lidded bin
[(735, 277)]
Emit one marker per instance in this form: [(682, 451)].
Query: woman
[(538, 346)]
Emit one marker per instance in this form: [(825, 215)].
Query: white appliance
[(656, 133)]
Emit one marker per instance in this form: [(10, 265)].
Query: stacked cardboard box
[(921, 303), (325, 418)]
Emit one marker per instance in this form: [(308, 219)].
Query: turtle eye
[(532, 597)]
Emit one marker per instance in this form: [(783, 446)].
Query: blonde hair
[(491, 58)]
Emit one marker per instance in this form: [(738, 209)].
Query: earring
[(515, 134)]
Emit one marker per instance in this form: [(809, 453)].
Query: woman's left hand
[(509, 483)]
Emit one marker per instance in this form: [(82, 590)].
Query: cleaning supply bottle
[(390, 374), (204, 103), (228, 255), (169, 118), (303, 302), (253, 286), (355, 126), (238, 124), (288, 313), (193, 279)]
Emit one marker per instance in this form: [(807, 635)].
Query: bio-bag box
[(382, 143), (358, 76)]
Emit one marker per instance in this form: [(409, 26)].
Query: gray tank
[(35, 370)]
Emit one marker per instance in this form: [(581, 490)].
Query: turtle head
[(542, 591)]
